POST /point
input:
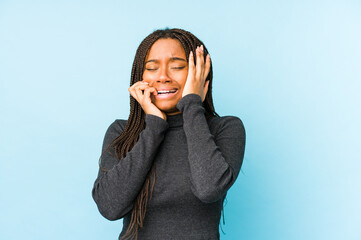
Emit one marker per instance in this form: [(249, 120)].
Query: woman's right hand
[(144, 99)]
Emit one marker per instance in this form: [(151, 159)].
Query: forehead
[(166, 48)]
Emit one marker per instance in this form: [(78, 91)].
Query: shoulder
[(114, 130), (117, 126), (227, 125)]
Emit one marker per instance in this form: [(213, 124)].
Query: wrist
[(160, 115)]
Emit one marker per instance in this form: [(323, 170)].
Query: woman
[(166, 170)]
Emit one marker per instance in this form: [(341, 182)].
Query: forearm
[(114, 191), (214, 168)]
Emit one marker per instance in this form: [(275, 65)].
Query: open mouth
[(162, 94), (167, 91)]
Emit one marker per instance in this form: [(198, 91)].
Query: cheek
[(147, 77), (182, 79), (144, 76)]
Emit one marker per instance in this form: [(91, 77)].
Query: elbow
[(111, 210), (207, 198), (108, 214), (208, 195), (213, 191), (111, 214)]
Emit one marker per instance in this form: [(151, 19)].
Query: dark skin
[(166, 68)]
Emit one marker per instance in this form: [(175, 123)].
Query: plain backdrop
[(289, 69)]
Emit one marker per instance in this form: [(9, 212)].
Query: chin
[(166, 107)]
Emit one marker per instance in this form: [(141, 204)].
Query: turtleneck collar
[(175, 120)]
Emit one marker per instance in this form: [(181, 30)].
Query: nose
[(163, 77)]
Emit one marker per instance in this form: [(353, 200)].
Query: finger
[(139, 83), (147, 93), (134, 95), (207, 67), (205, 90), (206, 84), (191, 67), (202, 62), (131, 90), (150, 89), (139, 91), (191, 62), (137, 96), (141, 87), (199, 64), (143, 82)]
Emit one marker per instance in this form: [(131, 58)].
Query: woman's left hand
[(197, 74)]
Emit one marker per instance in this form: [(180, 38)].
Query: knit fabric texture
[(197, 161)]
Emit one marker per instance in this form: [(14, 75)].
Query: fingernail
[(202, 47), (191, 54)]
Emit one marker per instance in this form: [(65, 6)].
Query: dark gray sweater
[(197, 161)]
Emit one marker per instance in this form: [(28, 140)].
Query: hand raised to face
[(197, 74), (141, 91)]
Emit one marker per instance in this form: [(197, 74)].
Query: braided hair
[(136, 121)]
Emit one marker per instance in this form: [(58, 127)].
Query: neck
[(175, 120)]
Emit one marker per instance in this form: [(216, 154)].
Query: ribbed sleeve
[(114, 191), (215, 162)]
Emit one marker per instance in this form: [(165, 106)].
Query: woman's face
[(166, 69)]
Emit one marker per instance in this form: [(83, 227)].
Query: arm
[(114, 191), (215, 162)]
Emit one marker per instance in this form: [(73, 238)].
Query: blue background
[(289, 69)]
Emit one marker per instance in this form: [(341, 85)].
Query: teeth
[(165, 91)]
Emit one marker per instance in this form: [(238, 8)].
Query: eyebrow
[(172, 59)]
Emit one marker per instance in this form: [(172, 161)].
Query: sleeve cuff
[(155, 122), (189, 99)]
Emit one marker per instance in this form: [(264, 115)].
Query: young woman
[(167, 169)]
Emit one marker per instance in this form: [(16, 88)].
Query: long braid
[(136, 120)]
